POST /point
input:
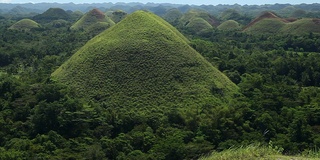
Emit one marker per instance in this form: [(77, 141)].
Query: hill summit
[(92, 19), (144, 61)]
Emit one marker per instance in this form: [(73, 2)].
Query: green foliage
[(268, 25)]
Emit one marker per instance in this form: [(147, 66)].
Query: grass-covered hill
[(270, 23), (197, 20), (229, 25), (196, 25), (117, 16), (52, 14), (172, 16), (143, 62), (302, 26), (265, 16), (25, 24), (92, 18)]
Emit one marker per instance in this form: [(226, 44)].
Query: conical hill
[(52, 14), (92, 18), (267, 17), (25, 24), (144, 61)]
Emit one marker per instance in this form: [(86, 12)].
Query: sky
[(196, 2)]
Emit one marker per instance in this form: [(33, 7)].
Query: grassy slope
[(198, 24), (92, 18), (253, 152), (229, 25), (144, 61), (191, 14), (268, 25), (52, 14), (25, 24), (172, 15), (301, 26)]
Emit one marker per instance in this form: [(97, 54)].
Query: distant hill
[(229, 25), (270, 23), (302, 26), (263, 16), (117, 16), (197, 21), (172, 16), (22, 11), (199, 14), (51, 15), (25, 24), (92, 18), (143, 61), (230, 14)]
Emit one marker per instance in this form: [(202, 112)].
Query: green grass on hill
[(267, 25), (197, 25), (52, 14), (143, 61), (90, 19), (191, 14), (25, 24), (302, 26), (253, 152), (229, 25), (173, 15), (275, 25)]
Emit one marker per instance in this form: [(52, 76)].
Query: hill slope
[(25, 24), (270, 23), (144, 61), (92, 18)]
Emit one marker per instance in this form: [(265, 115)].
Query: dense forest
[(276, 74)]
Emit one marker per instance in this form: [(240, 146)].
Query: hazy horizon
[(191, 2)]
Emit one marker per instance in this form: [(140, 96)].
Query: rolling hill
[(266, 16), (25, 24), (52, 14), (172, 15), (270, 23), (229, 25), (197, 21), (92, 18), (302, 26), (143, 61)]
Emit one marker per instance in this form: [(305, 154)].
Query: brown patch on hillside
[(265, 15), (213, 21), (97, 13)]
